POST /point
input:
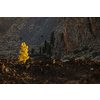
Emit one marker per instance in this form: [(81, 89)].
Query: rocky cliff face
[(9, 39), (80, 31), (70, 33), (33, 31), (76, 32)]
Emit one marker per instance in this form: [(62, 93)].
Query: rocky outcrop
[(80, 31), (33, 31), (59, 49), (70, 33), (77, 31), (9, 39)]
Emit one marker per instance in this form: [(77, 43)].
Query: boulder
[(6, 70), (82, 57), (65, 60)]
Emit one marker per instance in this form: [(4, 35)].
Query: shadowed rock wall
[(77, 31), (70, 33)]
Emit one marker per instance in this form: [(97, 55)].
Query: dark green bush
[(85, 47), (43, 50), (94, 54), (84, 52), (40, 50), (47, 48), (45, 45), (87, 58), (36, 53), (91, 49), (32, 51), (67, 58), (75, 51), (52, 38)]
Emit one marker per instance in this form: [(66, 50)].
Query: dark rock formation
[(70, 33), (77, 32), (14, 31)]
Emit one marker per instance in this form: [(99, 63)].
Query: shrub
[(32, 51), (66, 57), (87, 58), (84, 52), (75, 51), (47, 48), (52, 38), (43, 49), (45, 45), (94, 54), (85, 48), (23, 53), (36, 53), (73, 56), (40, 51), (91, 49)]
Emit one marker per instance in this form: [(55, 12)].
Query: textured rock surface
[(81, 31), (77, 32), (70, 33), (14, 31), (9, 39), (35, 27)]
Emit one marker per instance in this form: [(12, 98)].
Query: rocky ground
[(44, 70)]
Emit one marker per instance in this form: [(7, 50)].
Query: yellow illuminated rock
[(54, 61), (91, 68), (47, 64)]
